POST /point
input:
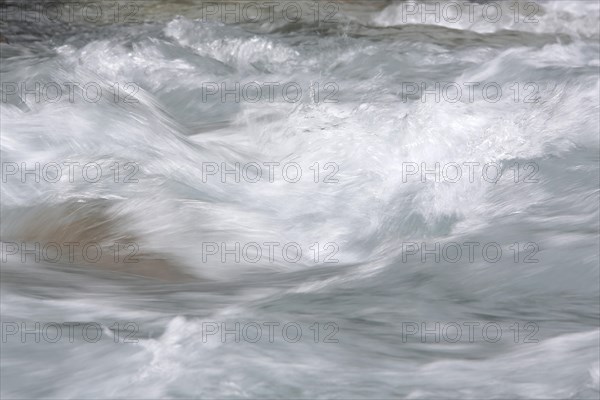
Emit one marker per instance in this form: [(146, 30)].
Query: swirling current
[(300, 199)]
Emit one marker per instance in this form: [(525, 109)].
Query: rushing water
[(389, 247)]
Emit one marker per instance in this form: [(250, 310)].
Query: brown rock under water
[(73, 226)]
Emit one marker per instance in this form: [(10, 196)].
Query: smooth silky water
[(378, 291)]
